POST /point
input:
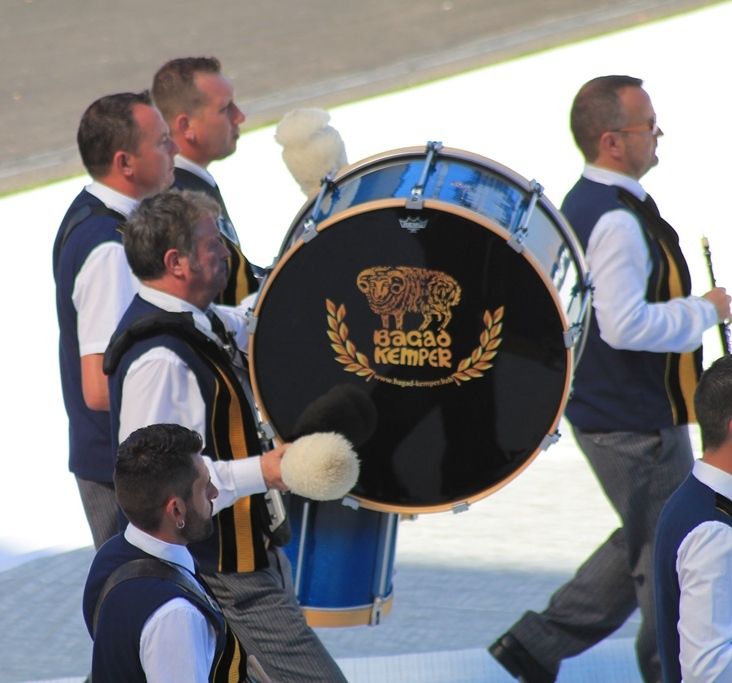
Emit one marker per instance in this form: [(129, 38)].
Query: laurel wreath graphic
[(472, 367), (478, 361), (348, 355)]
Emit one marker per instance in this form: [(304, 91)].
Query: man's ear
[(182, 127), (173, 261), (609, 145), (122, 163), (175, 511)]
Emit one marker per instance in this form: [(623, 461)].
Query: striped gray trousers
[(638, 472)]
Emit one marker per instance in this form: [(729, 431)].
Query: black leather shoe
[(515, 658)]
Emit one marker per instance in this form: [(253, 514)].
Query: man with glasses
[(634, 385)]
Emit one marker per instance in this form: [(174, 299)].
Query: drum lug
[(266, 431), (309, 230), (350, 502), (572, 335), (251, 321), (375, 618), (517, 242), (310, 225), (517, 239), (416, 198), (460, 507), (549, 439)]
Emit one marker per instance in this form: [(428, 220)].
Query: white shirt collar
[(605, 176), (112, 199), (173, 304), (200, 171), (170, 552), (716, 479)]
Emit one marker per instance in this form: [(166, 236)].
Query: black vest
[(692, 504), (237, 544), (619, 390), (87, 224), (127, 607)]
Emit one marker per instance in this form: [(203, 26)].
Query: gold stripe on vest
[(242, 282), (245, 561), (234, 674), (687, 377)]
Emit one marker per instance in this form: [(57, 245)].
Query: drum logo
[(393, 292)]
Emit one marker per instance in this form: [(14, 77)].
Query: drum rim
[(485, 222)]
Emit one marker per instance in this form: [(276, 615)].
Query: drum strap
[(231, 659), (151, 568), (723, 504), (177, 324)]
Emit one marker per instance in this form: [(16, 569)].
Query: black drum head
[(437, 348)]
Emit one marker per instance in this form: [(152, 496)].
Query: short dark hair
[(596, 109), (713, 403), (108, 126), (174, 90), (153, 464), (165, 221)]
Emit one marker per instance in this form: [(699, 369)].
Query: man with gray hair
[(175, 358), (633, 389)]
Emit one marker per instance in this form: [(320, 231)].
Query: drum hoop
[(361, 615), (483, 221)]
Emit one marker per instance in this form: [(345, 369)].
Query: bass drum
[(451, 294)]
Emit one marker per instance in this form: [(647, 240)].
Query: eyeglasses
[(649, 127)]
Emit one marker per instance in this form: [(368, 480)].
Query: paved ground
[(59, 56)]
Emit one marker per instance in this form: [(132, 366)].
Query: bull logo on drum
[(394, 291)]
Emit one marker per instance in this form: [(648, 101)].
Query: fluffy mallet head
[(320, 466), (311, 148)]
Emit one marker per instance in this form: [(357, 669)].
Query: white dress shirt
[(104, 285), (618, 259), (177, 642), (704, 568), (172, 395)]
